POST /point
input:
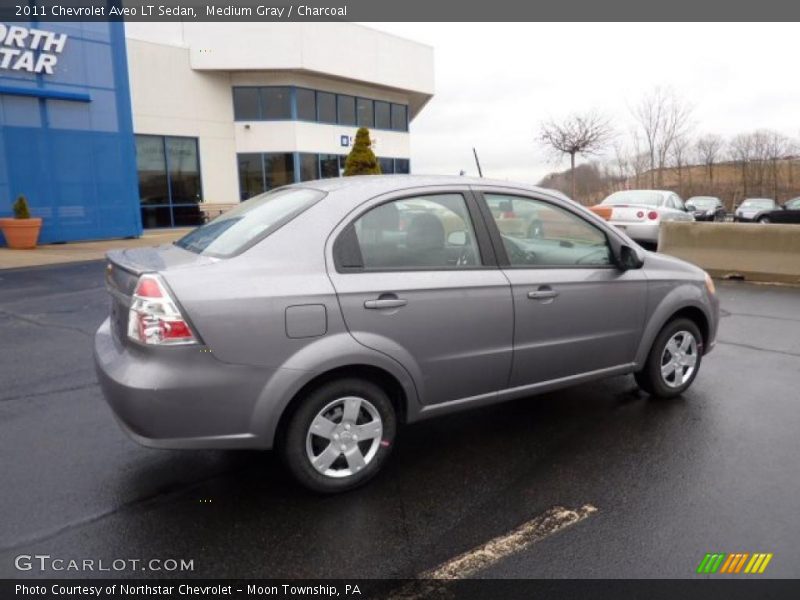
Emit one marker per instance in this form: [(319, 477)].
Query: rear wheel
[(340, 435), (673, 361), (763, 220)]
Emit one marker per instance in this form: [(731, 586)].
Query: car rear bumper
[(180, 396), (641, 232)]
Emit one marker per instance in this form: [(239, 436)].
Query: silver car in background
[(318, 317), (639, 213), (755, 210)]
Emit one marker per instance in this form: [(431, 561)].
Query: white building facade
[(224, 111)]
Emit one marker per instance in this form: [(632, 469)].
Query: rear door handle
[(385, 303), (543, 293)]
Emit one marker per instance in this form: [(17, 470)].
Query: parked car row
[(639, 213)]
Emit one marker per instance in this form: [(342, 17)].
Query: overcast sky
[(495, 83)]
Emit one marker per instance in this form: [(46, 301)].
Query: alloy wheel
[(344, 437), (679, 359)]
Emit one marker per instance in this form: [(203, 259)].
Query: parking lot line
[(549, 522), (467, 564)]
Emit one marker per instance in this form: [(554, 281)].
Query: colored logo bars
[(741, 562)]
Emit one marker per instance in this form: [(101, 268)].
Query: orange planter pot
[(21, 234)]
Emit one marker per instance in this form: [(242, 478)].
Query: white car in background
[(639, 213)]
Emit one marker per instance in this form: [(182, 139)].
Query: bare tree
[(662, 117), (778, 147), (679, 153), (709, 149), (583, 135), (742, 152)]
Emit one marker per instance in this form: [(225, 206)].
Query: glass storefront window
[(151, 164), (309, 167), (365, 115), (251, 175), (170, 187), (387, 166), (399, 117), (246, 104), (184, 170), (278, 170), (272, 103), (346, 109), (306, 104), (402, 166), (383, 117), (329, 165), (326, 107), (276, 103)]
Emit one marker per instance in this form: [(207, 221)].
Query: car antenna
[(477, 162)]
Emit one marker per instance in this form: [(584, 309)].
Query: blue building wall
[(66, 138)]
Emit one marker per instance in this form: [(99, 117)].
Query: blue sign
[(66, 131), (344, 140)]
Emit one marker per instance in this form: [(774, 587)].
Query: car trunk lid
[(629, 213)]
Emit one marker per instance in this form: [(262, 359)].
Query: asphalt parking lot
[(715, 471)]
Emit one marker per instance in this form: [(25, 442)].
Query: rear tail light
[(154, 317), (652, 215)]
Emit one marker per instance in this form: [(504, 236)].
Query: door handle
[(385, 303), (543, 293)]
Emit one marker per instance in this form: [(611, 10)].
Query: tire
[(763, 220), (343, 461), (652, 378)]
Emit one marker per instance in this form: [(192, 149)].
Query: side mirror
[(627, 258), (457, 238)]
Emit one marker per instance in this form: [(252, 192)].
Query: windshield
[(758, 203), (634, 197), (251, 221), (702, 201)]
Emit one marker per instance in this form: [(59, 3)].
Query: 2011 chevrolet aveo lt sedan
[(318, 317)]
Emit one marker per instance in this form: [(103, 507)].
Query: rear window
[(702, 201), (634, 197), (250, 222), (759, 203)]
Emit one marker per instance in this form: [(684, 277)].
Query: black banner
[(393, 10), (585, 589)]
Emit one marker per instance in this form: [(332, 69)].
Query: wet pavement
[(717, 470)]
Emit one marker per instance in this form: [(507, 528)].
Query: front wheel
[(764, 220), (673, 361), (340, 435)]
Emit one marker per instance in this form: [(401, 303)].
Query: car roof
[(644, 190), (360, 187)]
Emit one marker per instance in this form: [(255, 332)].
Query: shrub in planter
[(21, 232)]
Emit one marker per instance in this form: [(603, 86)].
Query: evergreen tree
[(362, 160)]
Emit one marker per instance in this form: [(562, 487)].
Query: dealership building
[(108, 129)]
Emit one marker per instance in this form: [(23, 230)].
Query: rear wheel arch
[(375, 375)]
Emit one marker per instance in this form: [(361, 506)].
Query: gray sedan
[(318, 317)]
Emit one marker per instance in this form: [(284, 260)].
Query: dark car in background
[(706, 208), (788, 213), (755, 210)]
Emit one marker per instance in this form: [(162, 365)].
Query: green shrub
[(362, 160), (21, 210)]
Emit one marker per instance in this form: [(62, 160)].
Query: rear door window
[(419, 233)]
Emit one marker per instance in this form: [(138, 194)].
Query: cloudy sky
[(495, 83)]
